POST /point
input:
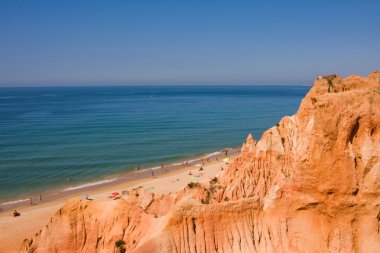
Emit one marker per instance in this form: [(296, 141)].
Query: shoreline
[(34, 217), (126, 176)]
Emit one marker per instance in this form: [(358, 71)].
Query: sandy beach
[(15, 229)]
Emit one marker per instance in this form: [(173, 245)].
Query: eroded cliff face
[(310, 184)]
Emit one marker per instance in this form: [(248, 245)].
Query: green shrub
[(119, 243), (193, 185), (214, 180)]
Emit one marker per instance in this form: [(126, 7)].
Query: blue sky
[(185, 42)]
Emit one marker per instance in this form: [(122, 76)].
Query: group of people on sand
[(184, 163), (31, 199), (17, 213)]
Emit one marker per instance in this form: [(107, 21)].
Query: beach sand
[(13, 230)]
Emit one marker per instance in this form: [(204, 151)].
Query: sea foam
[(90, 184)]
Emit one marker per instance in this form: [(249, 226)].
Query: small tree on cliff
[(119, 245)]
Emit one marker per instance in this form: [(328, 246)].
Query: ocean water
[(48, 135)]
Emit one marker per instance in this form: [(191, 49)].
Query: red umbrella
[(115, 194)]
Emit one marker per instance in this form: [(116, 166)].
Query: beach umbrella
[(226, 159), (115, 194)]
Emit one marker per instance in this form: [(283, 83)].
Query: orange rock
[(310, 184)]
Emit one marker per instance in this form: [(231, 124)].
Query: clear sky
[(184, 42)]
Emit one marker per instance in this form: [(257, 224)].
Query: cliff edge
[(310, 184)]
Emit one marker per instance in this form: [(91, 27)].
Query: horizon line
[(71, 85)]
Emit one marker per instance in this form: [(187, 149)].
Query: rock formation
[(310, 184)]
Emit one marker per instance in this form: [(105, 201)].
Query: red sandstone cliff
[(311, 184)]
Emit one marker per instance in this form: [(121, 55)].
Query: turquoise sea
[(48, 135)]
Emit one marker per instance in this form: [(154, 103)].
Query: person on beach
[(15, 213), (138, 166), (31, 200), (152, 172), (40, 197)]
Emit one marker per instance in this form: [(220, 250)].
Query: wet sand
[(170, 179)]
